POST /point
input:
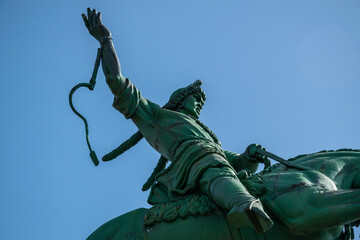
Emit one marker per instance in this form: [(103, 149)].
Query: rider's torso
[(167, 130)]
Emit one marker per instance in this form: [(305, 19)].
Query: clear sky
[(284, 74)]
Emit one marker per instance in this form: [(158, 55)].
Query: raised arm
[(126, 96), (110, 61)]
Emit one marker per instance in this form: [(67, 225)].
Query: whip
[(90, 86)]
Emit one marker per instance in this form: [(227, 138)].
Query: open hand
[(94, 25)]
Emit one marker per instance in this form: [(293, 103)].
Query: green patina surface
[(297, 196), (196, 204), (299, 206)]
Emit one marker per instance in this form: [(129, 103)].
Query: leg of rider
[(229, 193)]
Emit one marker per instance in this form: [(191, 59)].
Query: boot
[(229, 193)]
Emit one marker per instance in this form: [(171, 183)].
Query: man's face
[(192, 106)]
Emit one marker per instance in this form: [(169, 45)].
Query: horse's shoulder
[(129, 225)]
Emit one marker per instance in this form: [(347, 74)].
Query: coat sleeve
[(240, 162), (126, 95), (232, 158)]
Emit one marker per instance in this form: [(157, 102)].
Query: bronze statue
[(304, 204), (198, 161), (201, 170)]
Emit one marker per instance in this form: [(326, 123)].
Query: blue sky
[(284, 74)]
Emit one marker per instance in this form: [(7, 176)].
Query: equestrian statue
[(208, 193)]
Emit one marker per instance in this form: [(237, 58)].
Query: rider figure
[(197, 159)]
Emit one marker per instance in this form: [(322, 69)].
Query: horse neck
[(341, 166), (353, 170)]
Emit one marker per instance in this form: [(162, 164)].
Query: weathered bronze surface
[(312, 204), (209, 193)]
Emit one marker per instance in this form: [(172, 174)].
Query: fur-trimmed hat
[(177, 97)]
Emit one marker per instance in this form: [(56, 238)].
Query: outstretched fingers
[(93, 23), (88, 12), (99, 18), (91, 20), (86, 21), (93, 17)]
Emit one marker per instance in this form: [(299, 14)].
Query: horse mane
[(276, 165), (324, 151)]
